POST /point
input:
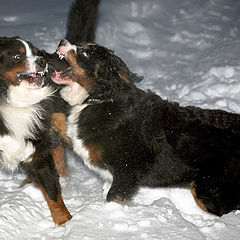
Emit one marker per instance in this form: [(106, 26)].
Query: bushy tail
[(82, 21)]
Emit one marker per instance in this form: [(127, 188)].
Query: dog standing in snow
[(135, 138), (32, 114)]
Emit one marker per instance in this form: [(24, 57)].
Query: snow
[(188, 51)]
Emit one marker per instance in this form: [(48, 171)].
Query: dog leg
[(59, 159), (59, 212), (43, 172), (122, 190), (198, 201), (216, 194), (59, 124)]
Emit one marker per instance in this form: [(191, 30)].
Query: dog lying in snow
[(135, 138)]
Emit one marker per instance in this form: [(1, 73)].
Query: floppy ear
[(123, 71), (130, 77)]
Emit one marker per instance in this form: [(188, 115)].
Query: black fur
[(143, 140), (85, 30)]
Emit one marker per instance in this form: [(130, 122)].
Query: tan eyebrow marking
[(22, 50), (85, 47)]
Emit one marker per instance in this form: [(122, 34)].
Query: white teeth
[(61, 56), (40, 74)]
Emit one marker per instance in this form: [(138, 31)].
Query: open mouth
[(60, 55), (62, 77), (66, 73), (35, 80)]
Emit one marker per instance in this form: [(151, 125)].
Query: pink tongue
[(59, 80), (57, 74), (57, 77), (62, 49)]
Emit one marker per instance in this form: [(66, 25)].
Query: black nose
[(41, 62), (63, 42)]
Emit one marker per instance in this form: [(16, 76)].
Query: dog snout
[(41, 62)]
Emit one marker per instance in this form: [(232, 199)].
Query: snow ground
[(188, 51)]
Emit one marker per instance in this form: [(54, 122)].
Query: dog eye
[(17, 57)]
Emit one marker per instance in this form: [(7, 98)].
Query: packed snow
[(188, 51)]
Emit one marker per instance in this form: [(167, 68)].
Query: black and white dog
[(135, 138), (22, 77), (27, 139), (32, 127)]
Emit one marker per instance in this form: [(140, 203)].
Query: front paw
[(118, 197)]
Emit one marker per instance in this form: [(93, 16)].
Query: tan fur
[(59, 160), (59, 123), (80, 75), (59, 212), (198, 201), (95, 154), (12, 74)]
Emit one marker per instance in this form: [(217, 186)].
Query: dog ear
[(124, 72), (130, 77)]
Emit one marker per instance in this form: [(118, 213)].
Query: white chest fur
[(72, 132), (21, 115), (21, 123)]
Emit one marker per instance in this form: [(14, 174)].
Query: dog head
[(89, 64), (21, 67), (20, 63)]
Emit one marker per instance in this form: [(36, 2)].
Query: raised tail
[(82, 21)]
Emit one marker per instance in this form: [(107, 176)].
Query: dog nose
[(41, 62), (63, 42)]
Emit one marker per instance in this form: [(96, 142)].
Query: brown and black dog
[(135, 138)]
